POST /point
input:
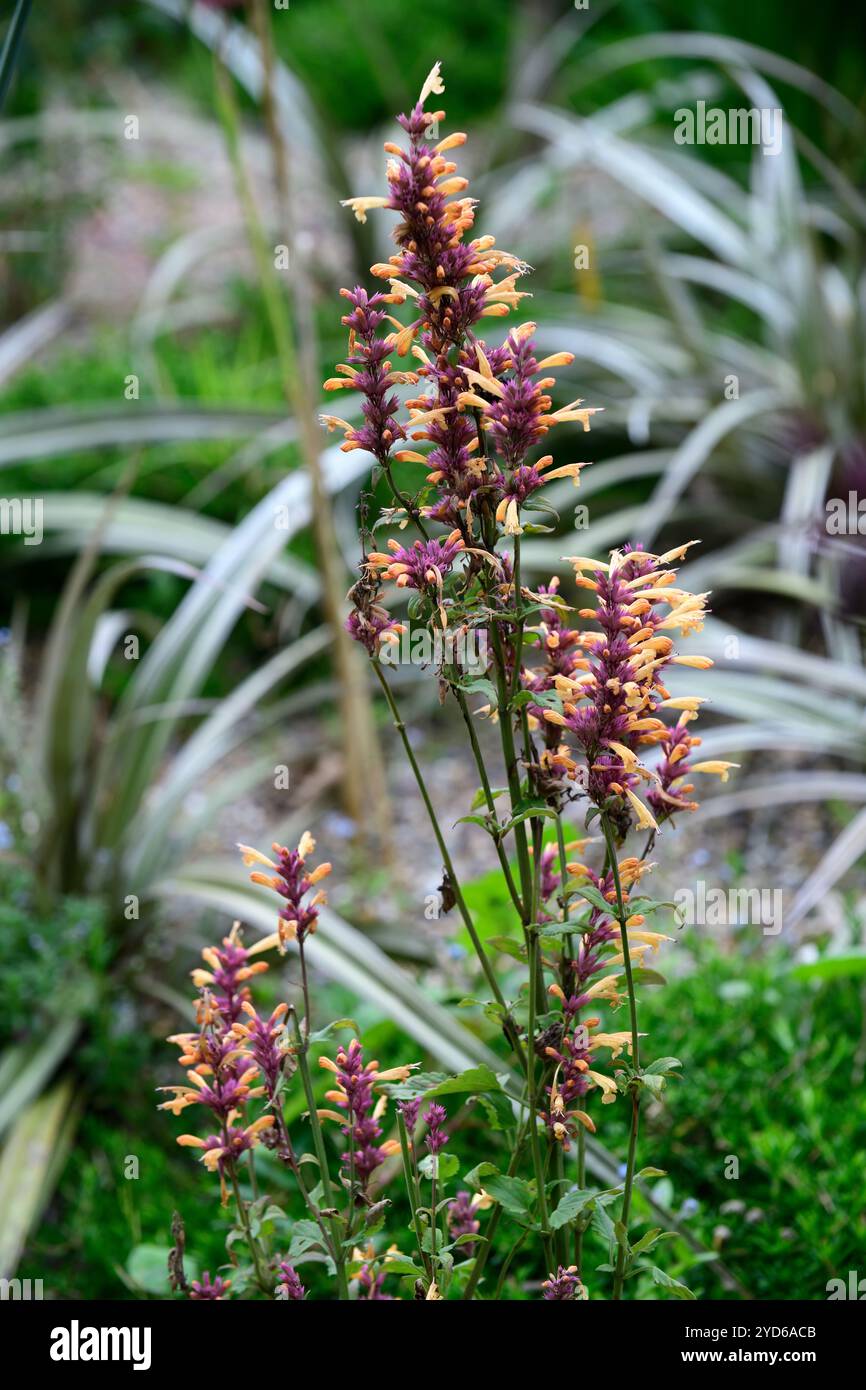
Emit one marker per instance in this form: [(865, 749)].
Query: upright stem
[(488, 797), (434, 1228), (534, 1140), (628, 1185), (245, 1222), (487, 1244), (321, 1155), (305, 988), (512, 772), (509, 1025), (412, 1192)]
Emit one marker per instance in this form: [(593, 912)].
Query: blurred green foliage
[(50, 958), (774, 1078)]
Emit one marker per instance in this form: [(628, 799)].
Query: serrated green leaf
[(665, 1281), (513, 1194), (473, 1081), (594, 896), (571, 1206), (441, 1166)]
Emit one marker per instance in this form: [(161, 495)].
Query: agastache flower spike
[(475, 391), (355, 1082), (368, 370), (462, 1220), (614, 707), (292, 881), (434, 1118), (229, 972), (409, 1109), (290, 1287), (222, 1075), (564, 1286), (264, 1040), (207, 1289)]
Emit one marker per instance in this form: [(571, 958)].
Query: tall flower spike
[(478, 399), (355, 1081), (291, 879), (615, 708)]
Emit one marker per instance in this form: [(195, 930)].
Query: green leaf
[(602, 1223), (540, 504), (474, 1081), (570, 1206), (35, 1068), (508, 946), (401, 1264), (546, 699), (662, 1066), (441, 1166), (322, 1033), (665, 1281), (32, 1158), (654, 1084), (528, 809), (481, 686), (480, 797), (513, 1194), (593, 895), (643, 976), (646, 905), (647, 1241), (499, 1110), (11, 46), (147, 1267), (469, 1239), (305, 1236)]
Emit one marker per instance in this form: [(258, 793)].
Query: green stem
[(405, 502), (512, 772), (567, 954), (434, 1229), (488, 797), (245, 1222), (319, 1146), (412, 1193), (508, 1024), (534, 1140), (581, 1183), (305, 987), (487, 1244), (518, 606), (506, 1265), (619, 1273)]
